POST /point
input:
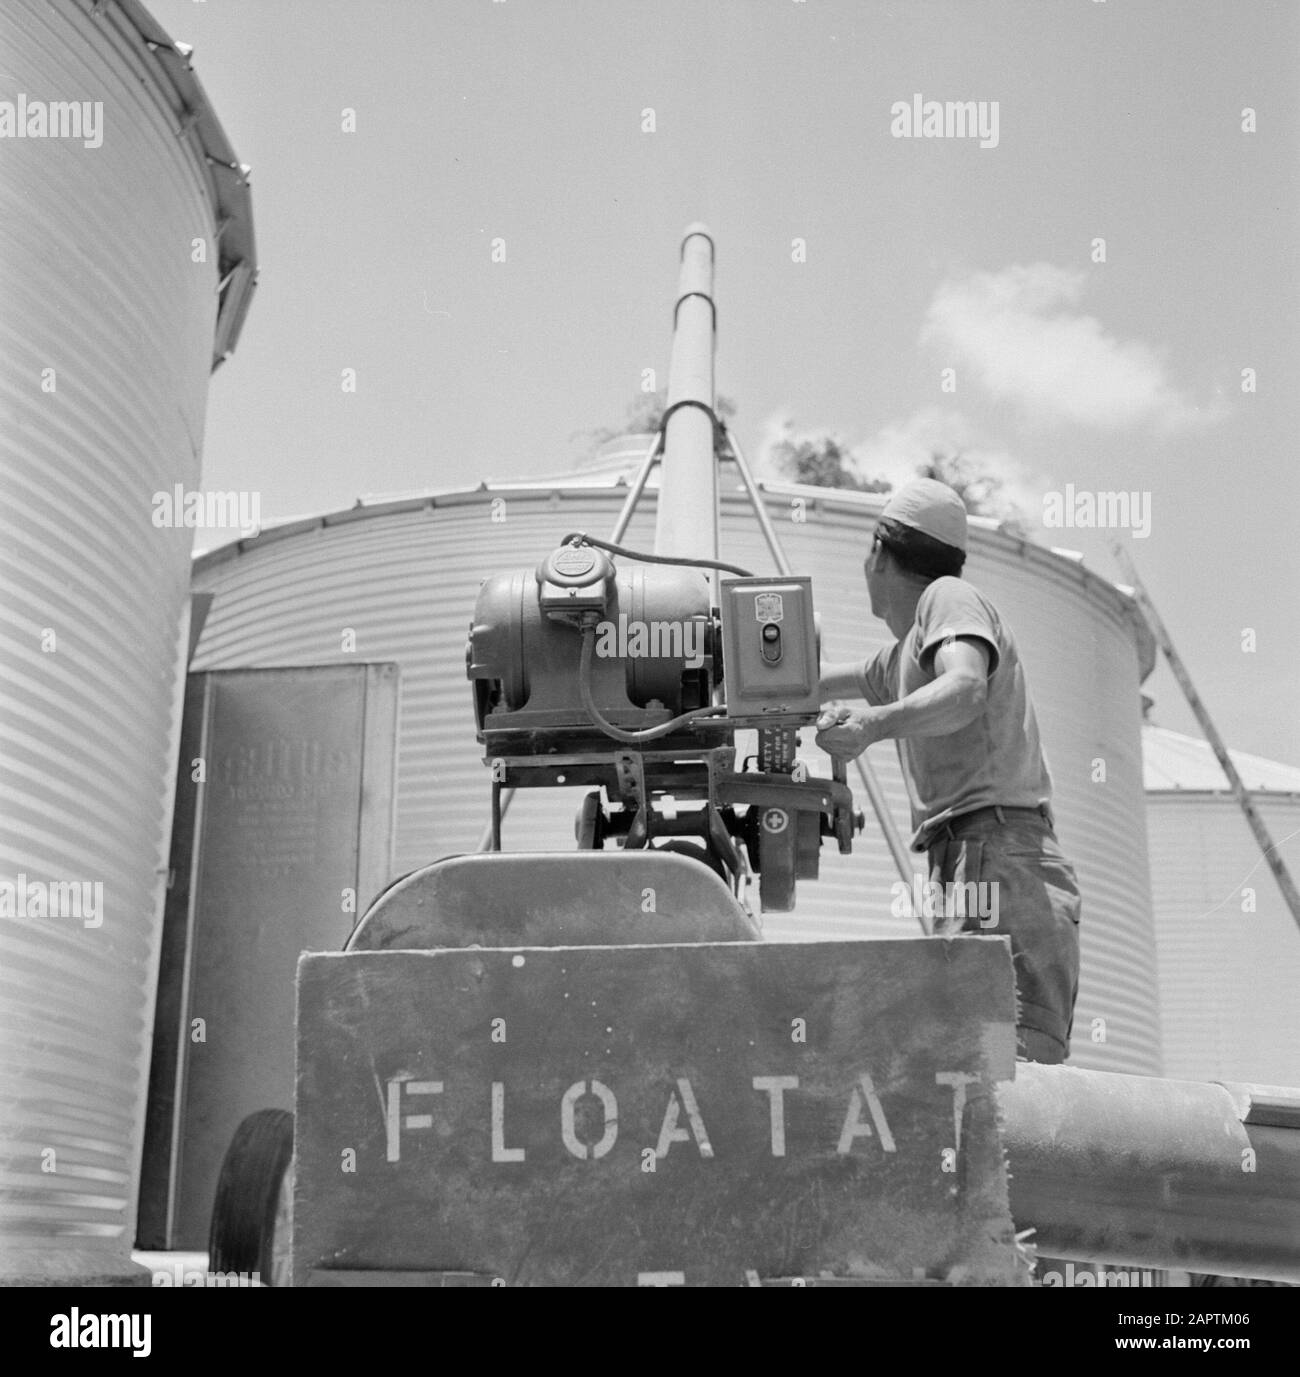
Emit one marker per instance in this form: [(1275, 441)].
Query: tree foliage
[(983, 492), (825, 462), (645, 414)]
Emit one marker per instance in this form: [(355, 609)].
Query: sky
[(905, 291)]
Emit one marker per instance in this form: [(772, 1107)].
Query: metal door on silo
[(282, 836)]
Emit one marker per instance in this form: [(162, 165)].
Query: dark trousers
[(1013, 859)]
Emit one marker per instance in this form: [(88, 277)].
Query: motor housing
[(654, 655)]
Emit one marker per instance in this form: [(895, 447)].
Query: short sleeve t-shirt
[(997, 758)]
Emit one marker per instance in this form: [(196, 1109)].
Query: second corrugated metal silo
[(1229, 948), (405, 575), (119, 288)]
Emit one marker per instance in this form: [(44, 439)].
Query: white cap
[(927, 505)]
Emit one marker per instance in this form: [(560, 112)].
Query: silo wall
[(106, 346), (1228, 946)]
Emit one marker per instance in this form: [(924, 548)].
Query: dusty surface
[(610, 1126)]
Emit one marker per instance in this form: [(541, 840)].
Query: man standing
[(952, 691)]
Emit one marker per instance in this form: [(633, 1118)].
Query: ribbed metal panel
[(405, 578), (98, 285), (1228, 977)]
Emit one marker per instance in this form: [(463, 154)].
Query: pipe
[(686, 521), (1133, 1171), (774, 545), (880, 806), (491, 837), (634, 494), (1290, 895)]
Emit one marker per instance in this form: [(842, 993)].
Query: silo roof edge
[(842, 499), (1177, 765), (226, 176)]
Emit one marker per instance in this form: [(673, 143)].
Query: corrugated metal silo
[(1228, 947), (109, 333), (405, 574)]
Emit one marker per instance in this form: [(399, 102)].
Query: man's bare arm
[(841, 681), (952, 701)]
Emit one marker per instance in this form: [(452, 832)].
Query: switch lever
[(771, 648)]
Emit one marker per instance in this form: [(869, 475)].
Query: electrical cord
[(605, 725), (656, 559)]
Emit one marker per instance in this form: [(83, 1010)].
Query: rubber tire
[(697, 851), (242, 1233), (776, 878)]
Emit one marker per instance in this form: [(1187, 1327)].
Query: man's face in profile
[(873, 570)]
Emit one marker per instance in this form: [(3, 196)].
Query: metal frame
[(728, 450)]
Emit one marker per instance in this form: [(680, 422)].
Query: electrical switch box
[(769, 646)]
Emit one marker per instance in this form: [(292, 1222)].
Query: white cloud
[(896, 450), (1019, 333), (777, 426)]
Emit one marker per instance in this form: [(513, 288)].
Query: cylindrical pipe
[(897, 848), (492, 831), (1138, 1172), (634, 494), (686, 521), (779, 557)]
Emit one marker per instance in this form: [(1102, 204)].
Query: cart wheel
[(253, 1211), (776, 852)]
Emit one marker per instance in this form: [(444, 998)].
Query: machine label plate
[(769, 607), (708, 1112)]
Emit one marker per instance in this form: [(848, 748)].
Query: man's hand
[(846, 732)]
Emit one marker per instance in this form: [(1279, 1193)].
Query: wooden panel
[(656, 1115), (378, 805), (295, 807), (163, 1122)]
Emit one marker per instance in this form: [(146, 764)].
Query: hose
[(583, 537)]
